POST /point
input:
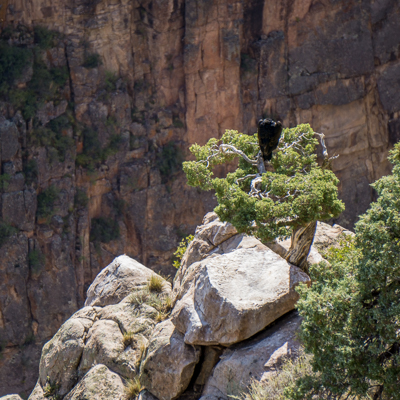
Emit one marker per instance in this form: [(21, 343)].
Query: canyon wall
[(94, 128)]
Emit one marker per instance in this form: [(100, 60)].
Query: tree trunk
[(302, 239)]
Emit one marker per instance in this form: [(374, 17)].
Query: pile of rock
[(230, 321)]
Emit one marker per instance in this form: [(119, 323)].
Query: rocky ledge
[(228, 318)]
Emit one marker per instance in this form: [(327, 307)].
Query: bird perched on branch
[(269, 133)]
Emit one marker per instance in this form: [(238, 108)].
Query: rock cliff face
[(93, 128)]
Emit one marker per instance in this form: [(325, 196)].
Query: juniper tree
[(281, 201), (351, 313)]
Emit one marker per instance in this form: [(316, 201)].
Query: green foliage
[(44, 86), (104, 230), (180, 251), (13, 61), (46, 200), (4, 181), (297, 192), (177, 123), (110, 81), (54, 135), (119, 206), (31, 171), (93, 153), (351, 313), (36, 260), (169, 161), (50, 390), (45, 38), (6, 231), (92, 60), (81, 199)]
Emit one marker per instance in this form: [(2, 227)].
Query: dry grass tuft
[(286, 376), (132, 388), (128, 338), (155, 283)]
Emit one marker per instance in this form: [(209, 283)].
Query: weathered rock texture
[(144, 337), (188, 71), (257, 358)]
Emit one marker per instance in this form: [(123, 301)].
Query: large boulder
[(229, 297), (169, 363), (256, 358), (62, 354), (116, 281), (11, 397), (99, 383), (208, 236)]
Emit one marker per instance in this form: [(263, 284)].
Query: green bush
[(92, 60), (169, 161), (104, 230), (110, 81), (4, 181), (178, 123), (53, 135), (31, 171), (92, 151), (81, 199), (44, 37), (46, 200), (6, 231), (180, 251), (351, 313), (36, 260), (13, 61)]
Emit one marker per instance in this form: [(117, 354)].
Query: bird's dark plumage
[(269, 133)]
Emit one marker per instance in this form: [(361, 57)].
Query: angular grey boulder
[(116, 281), (169, 363), (227, 298), (256, 358), (98, 384)]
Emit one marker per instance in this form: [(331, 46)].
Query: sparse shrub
[(92, 151), (128, 338), (138, 298), (110, 81), (46, 200), (119, 206), (155, 283), (4, 181), (132, 388), (104, 230), (169, 161), (31, 171), (177, 123), (53, 135), (50, 389), (81, 199), (161, 302), (6, 231), (59, 75), (36, 260), (92, 60), (44, 37), (274, 387), (13, 61), (180, 251)]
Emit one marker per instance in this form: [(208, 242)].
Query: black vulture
[(269, 133)]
